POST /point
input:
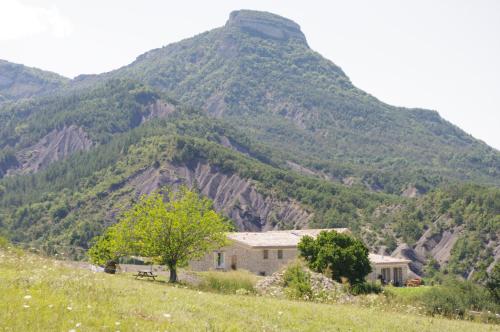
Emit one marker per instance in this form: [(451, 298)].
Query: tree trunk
[(173, 273)]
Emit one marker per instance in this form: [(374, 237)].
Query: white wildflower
[(117, 323), (69, 308), (27, 297), (167, 315), (26, 306), (78, 324), (51, 305), (72, 330)]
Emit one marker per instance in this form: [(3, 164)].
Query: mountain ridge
[(249, 110)]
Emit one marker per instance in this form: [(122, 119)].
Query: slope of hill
[(18, 81), (40, 294), (258, 72)]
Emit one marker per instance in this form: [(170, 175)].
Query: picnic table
[(145, 274)]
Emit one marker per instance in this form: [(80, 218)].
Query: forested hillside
[(18, 81), (271, 131)]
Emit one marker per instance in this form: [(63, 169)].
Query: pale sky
[(440, 55)]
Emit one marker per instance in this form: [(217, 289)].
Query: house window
[(265, 254), (219, 260), (280, 254)]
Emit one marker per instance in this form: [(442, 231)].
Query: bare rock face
[(56, 145), (159, 110), (265, 25), (235, 197), (433, 243), (411, 192), (406, 252), (438, 245)]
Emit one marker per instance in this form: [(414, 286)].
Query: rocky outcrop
[(265, 25), (411, 192), (56, 145), (406, 252), (235, 197), (435, 243), (158, 110)]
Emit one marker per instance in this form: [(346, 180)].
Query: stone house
[(264, 253)]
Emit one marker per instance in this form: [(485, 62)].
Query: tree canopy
[(172, 231), (339, 254)]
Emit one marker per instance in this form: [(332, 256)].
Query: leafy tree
[(340, 254), (173, 232), (493, 282), (106, 247)]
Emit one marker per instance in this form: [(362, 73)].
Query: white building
[(264, 253)]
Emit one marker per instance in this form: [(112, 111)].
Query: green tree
[(173, 232), (339, 254), (493, 283)]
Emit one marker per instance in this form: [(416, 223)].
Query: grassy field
[(40, 294)]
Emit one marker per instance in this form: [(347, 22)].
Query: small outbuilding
[(264, 253)]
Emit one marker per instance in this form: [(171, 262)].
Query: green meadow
[(41, 294)]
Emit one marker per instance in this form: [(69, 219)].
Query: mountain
[(18, 81), (259, 73), (276, 135)]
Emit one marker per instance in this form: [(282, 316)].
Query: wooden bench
[(145, 274)]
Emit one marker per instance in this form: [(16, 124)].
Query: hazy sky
[(440, 55)]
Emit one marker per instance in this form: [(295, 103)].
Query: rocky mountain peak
[(265, 25)]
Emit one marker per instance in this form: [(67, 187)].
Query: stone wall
[(246, 258)]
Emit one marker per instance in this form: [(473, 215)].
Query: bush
[(368, 287), (493, 283), (4, 243), (297, 282), (457, 298), (230, 282)]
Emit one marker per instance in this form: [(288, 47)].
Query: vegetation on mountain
[(18, 81), (493, 283), (108, 108), (284, 94)]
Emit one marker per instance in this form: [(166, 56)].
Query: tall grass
[(38, 294), (230, 282)]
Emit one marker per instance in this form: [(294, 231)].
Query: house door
[(398, 276), (233, 262)]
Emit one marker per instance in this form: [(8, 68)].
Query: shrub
[(297, 282), (457, 298), (4, 243), (230, 282), (493, 283), (367, 287)]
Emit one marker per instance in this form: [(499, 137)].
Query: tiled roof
[(382, 259), (278, 238)]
